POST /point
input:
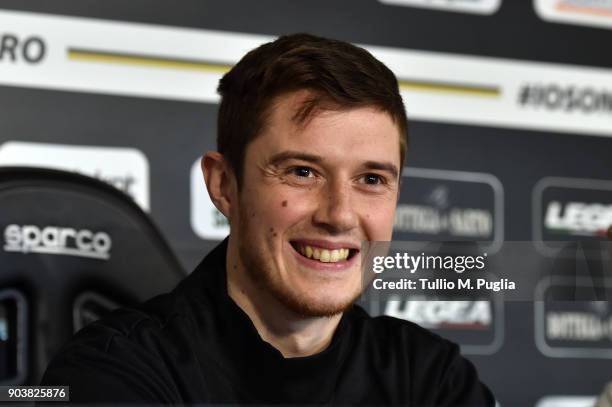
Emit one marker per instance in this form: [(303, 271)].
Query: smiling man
[(311, 140), (309, 193)]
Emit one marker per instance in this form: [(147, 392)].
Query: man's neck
[(290, 333)]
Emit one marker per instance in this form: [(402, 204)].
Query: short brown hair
[(340, 76)]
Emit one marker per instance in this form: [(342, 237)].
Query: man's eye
[(303, 172), (373, 179)]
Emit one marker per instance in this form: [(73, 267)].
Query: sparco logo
[(57, 240), (29, 49), (566, 98), (578, 218), (443, 314)]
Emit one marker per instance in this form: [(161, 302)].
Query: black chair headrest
[(72, 247)]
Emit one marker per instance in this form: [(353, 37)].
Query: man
[(311, 139)]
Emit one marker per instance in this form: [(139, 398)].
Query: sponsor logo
[(206, 220), (578, 218), (465, 6), (125, 168), (568, 329), (476, 325), (30, 49), (570, 209), (566, 401), (57, 240), (443, 314), (449, 205), (568, 99), (578, 326), (595, 13)]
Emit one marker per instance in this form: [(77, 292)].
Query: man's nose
[(336, 211)]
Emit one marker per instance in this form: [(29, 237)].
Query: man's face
[(310, 195)]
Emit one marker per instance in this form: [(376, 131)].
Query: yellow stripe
[(121, 59), (449, 88), (193, 65)]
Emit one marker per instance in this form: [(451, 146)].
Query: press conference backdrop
[(510, 108)]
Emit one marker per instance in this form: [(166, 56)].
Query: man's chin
[(315, 305)]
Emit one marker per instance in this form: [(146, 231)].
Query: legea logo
[(476, 325), (570, 209), (443, 314), (578, 218), (57, 240), (464, 6), (127, 169)]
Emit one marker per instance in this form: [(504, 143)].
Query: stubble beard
[(257, 265)]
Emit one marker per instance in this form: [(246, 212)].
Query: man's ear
[(218, 177)]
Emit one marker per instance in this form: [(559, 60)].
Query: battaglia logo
[(443, 314), (477, 223), (31, 49), (578, 326), (57, 240), (566, 98), (439, 216), (572, 328), (578, 218)]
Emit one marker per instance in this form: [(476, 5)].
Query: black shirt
[(196, 346)]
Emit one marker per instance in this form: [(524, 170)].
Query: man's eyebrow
[(294, 155), (383, 166)]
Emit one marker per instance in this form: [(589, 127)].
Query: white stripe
[(60, 33)]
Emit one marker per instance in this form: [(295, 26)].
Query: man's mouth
[(322, 254)]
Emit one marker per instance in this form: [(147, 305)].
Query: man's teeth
[(324, 255)]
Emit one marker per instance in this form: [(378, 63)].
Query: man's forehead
[(299, 108), (294, 105), (329, 127)]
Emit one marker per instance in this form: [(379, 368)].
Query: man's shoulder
[(431, 366), (132, 323), (131, 351), (165, 317)]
